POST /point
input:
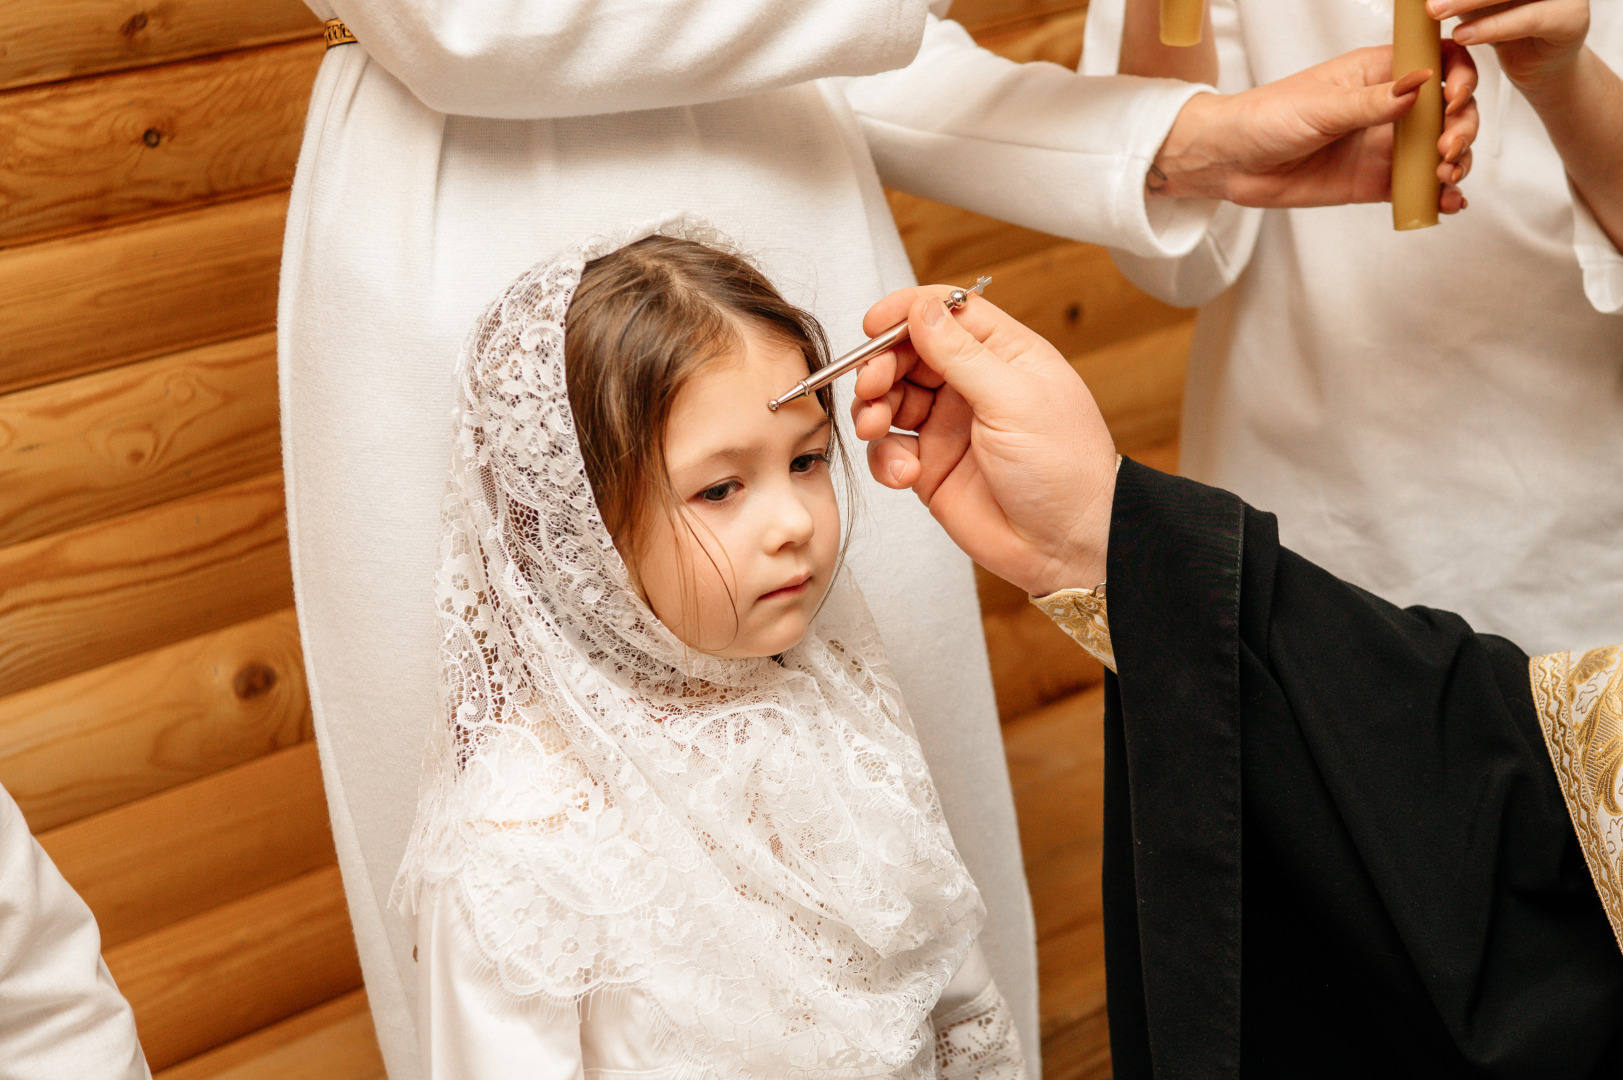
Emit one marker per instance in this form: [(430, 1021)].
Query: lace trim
[(1081, 613), (978, 1041), (1580, 709)]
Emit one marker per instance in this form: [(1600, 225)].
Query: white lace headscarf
[(755, 843)]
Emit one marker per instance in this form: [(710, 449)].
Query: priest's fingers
[(906, 405), (894, 460)]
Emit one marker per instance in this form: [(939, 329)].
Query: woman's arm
[(1044, 147), (521, 59), (1580, 99)]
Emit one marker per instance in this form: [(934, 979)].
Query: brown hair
[(643, 321)]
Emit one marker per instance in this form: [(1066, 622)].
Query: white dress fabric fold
[(1435, 415), (61, 1014)]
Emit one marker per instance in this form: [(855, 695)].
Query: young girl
[(677, 823)]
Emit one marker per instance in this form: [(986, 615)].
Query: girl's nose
[(791, 522)]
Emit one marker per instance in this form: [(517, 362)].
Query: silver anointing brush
[(869, 349)]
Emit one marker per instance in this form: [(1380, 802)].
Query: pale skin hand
[(1320, 137), (1541, 48), (1010, 453)]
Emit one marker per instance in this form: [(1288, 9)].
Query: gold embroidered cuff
[(1580, 709), (1081, 614), (338, 34)]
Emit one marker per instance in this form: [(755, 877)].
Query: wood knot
[(152, 137), (134, 24), (254, 680)]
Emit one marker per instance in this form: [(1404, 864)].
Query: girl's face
[(744, 569)]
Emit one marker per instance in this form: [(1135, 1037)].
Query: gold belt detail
[(338, 33)]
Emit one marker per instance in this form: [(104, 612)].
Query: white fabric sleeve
[(470, 1028), (1034, 143), (975, 1036), (528, 59), (1600, 259), (1220, 257), (61, 1015)]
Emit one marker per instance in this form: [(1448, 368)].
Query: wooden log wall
[(154, 722)]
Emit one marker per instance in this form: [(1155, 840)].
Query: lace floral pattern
[(978, 1041), (755, 842)]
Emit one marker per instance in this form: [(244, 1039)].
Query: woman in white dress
[(1391, 395), (454, 145)]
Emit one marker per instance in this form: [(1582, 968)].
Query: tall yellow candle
[(1180, 21), (1416, 44)]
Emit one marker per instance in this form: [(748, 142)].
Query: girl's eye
[(719, 492), (807, 462)]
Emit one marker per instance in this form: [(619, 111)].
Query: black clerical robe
[(1335, 841)]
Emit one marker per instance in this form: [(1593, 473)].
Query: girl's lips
[(794, 588)]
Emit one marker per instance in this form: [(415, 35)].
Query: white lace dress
[(473, 1031)]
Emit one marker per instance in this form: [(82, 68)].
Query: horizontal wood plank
[(77, 600), (1074, 296), (981, 15), (945, 243), (58, 39), (104, 444), (218, 976), (170, 856), (91, 151), (1138, 384), (333, 1041), (130, 729), (1056, 39), (93, 300), (1056, 768), (1075, 1025), (1033, 662)]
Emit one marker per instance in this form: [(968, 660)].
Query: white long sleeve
[(1030, 143), (61, 1015), (1600, 259), (470, 1029), (1221, 255), (523, 59)]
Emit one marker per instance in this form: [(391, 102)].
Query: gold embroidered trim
[(1580, 709), (1081, 613), (338, 34)]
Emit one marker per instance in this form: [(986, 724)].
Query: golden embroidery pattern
[(337, 33), (1081, 613), (1580, 709)]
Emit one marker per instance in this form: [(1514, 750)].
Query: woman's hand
[(1538, 41), (1317, 138), (1580, 100), (1009, 453)]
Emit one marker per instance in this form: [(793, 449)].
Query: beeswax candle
[(1180, 21), (1416, 44)]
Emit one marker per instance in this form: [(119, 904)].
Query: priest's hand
[(1317, 138), (1000, 439)]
